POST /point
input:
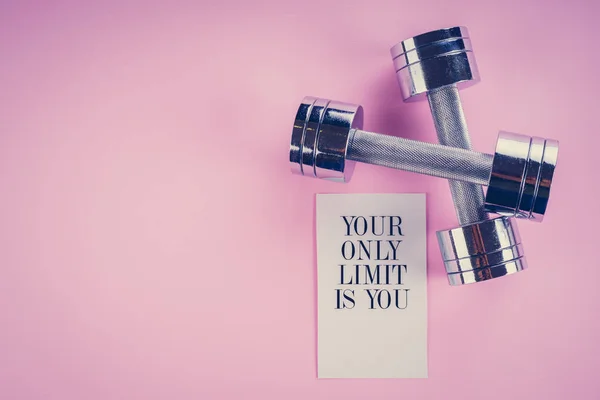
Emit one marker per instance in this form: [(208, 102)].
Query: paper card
[(372, 286)]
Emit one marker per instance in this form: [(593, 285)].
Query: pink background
[(154, 244)]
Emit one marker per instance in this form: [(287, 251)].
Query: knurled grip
[(420, 157), (451, 128)]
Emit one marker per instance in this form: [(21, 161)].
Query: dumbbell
[(327, 139), (433, 65)]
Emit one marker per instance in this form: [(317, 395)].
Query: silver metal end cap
[(521, 176), (481, 251), (485, 274), (321, 136), (433, 60)]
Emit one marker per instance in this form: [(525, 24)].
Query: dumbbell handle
[(451, 127), (420, 157)]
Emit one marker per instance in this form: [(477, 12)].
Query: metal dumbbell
[(433, 65), (327, 139)]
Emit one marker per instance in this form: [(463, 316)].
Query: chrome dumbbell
[(434, 65), (327, 139)]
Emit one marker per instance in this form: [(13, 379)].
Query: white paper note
[(372, 286)]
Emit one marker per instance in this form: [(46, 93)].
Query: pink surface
[(154, 244)]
